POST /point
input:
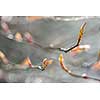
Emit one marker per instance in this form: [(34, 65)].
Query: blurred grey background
[(60, 31)]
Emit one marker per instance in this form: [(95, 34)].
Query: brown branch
[(66, 69), (77, 44)]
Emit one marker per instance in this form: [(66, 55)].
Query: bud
[(46, 62), (28, 37), (5, 27), (18, 37)]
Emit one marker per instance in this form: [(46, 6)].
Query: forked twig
[(25, 64), (59, 49), (77, 44), (66, 69)]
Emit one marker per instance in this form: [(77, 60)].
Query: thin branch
[(77, 44), (25, 64), (66, 69)]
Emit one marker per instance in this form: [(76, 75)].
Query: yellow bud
[(2, 55), (18, 37), (61, 59), (46, 62)]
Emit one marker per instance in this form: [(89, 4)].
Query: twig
[(66, 69), (77, 44), (25, 64)]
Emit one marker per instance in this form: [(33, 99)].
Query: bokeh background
[(60, 31)]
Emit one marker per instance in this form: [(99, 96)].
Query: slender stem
[(66, 69), (77, 44)]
